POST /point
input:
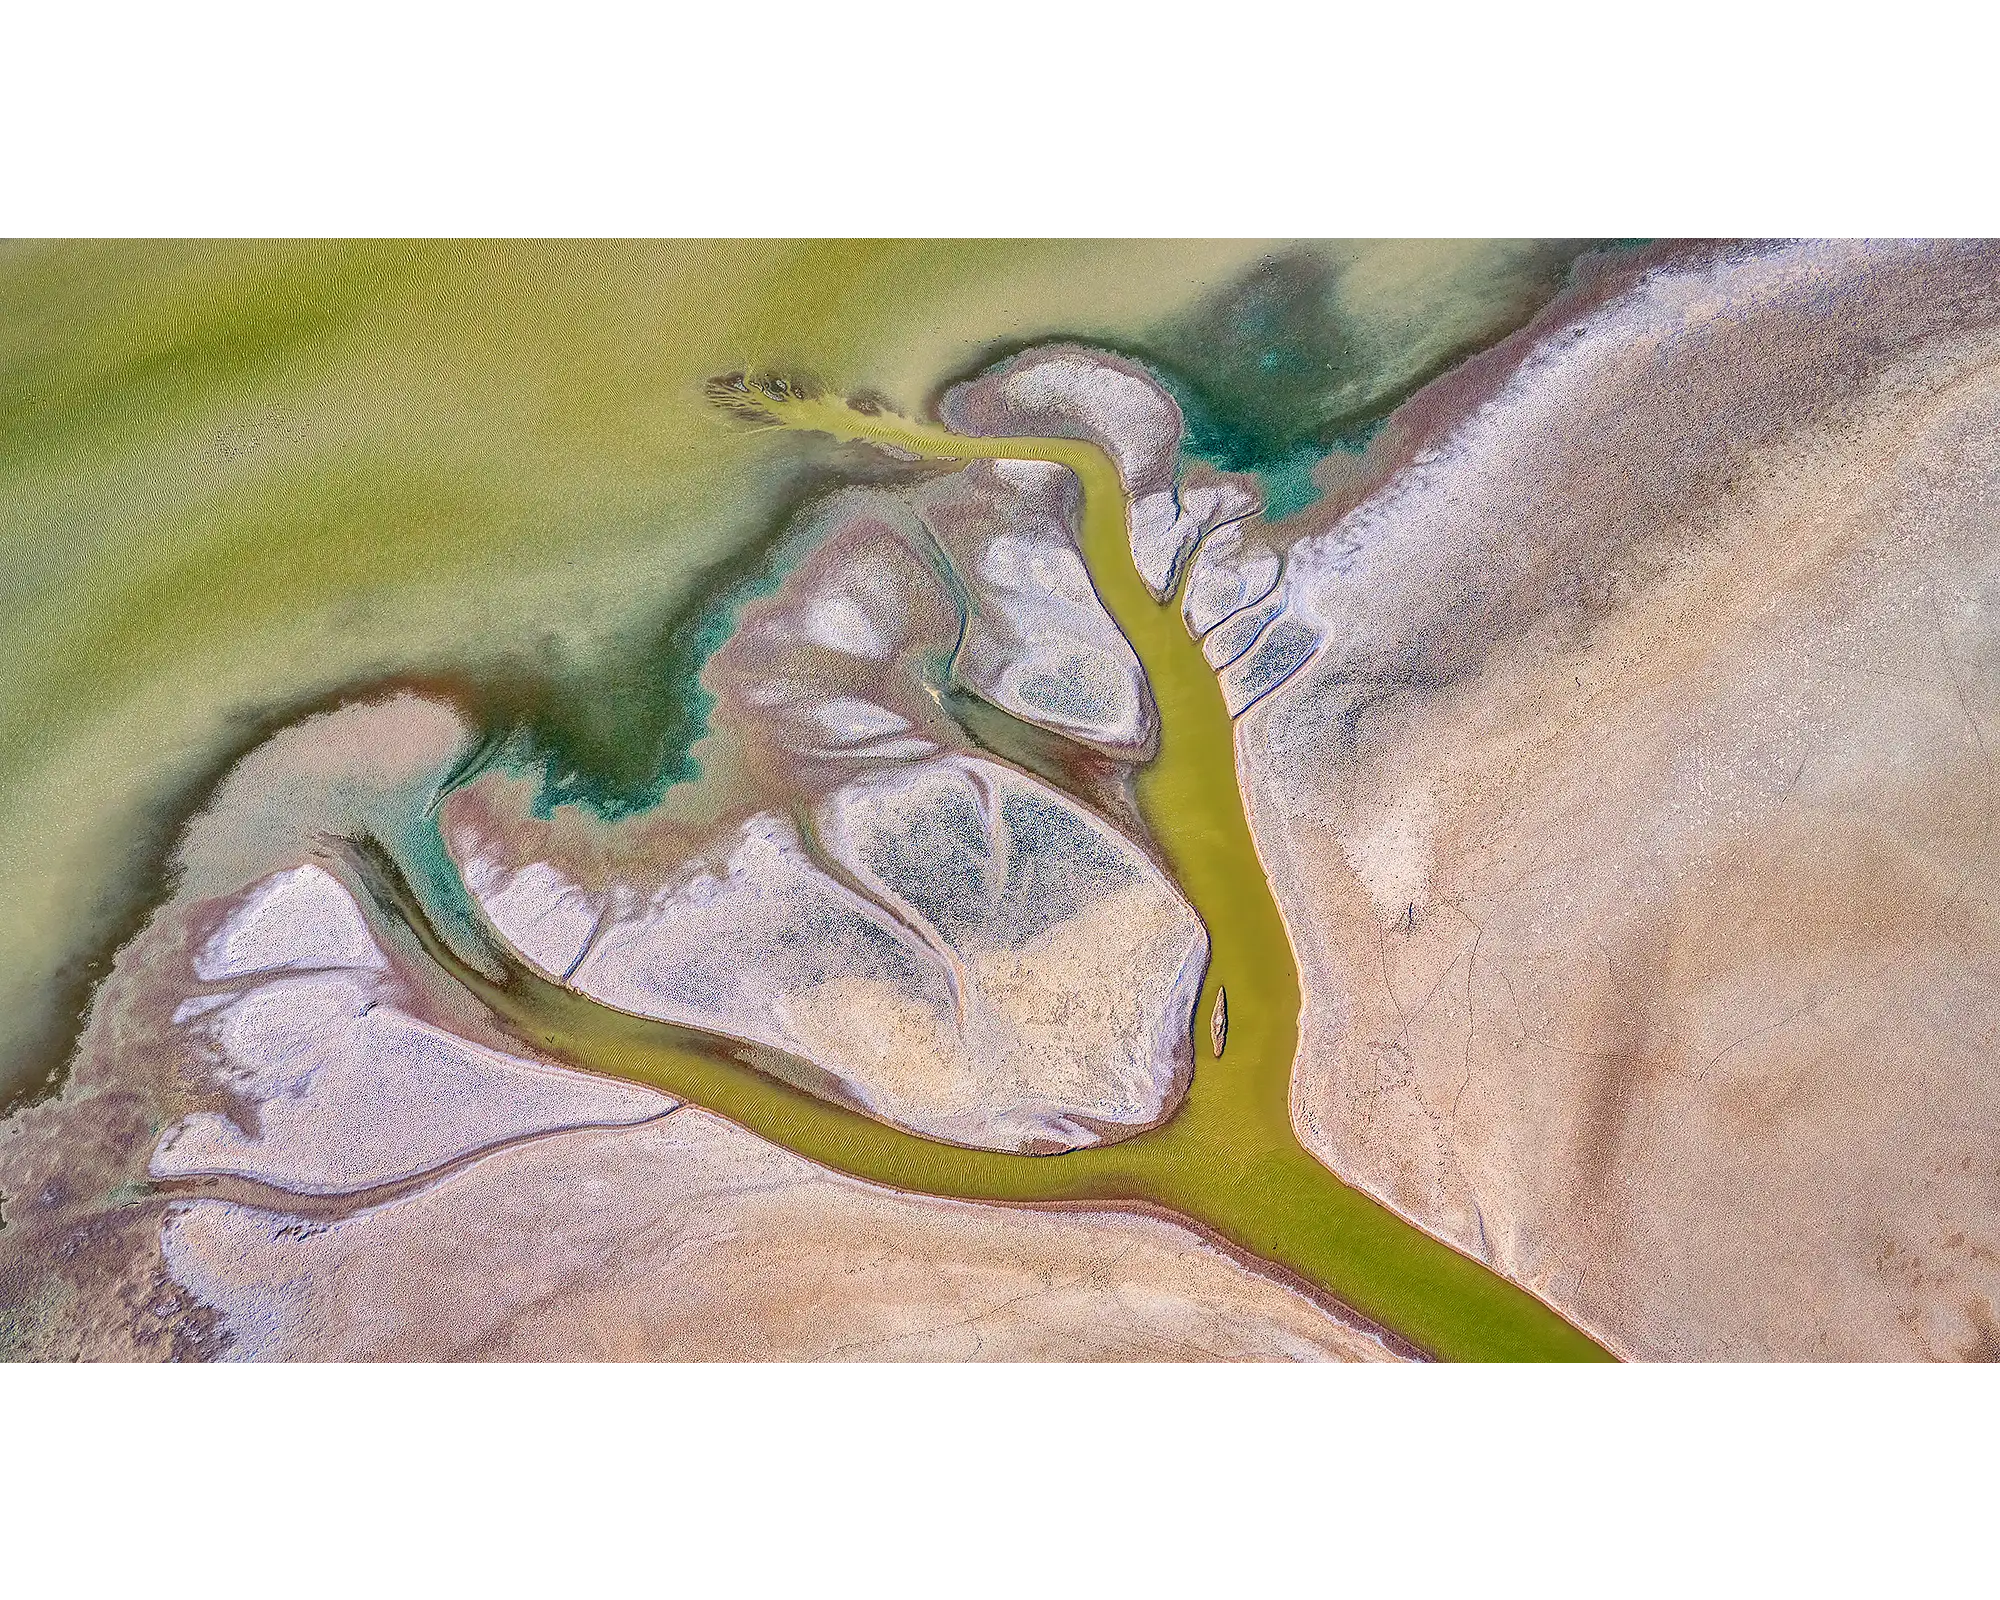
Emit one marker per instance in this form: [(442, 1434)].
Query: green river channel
[(1228, 1160)]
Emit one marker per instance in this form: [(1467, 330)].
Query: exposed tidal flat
[(1226, 1160), (554, 721), (293, 1129), (239, 479), (1612, 721), (1636, 819)]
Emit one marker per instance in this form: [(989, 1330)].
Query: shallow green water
[(242, 482), (239, 480), (1228, 1159)]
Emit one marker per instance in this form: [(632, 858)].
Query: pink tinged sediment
[(334, 1087), (296, 918), (1038, 642), (1073, 392), (689, 1239)]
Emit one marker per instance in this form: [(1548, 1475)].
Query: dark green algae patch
[(1227, 1160), (1273, 373), (1277, 371), (612, 734)]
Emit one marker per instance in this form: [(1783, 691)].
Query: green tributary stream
[(1228, 1159)]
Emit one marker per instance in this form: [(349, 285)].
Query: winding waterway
[(1228, 1160)]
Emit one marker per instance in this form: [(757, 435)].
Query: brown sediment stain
[(1631, 1059), (96, 1288), (1985, 1344)]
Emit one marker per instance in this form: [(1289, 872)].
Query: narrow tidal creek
[(1228, 1159)]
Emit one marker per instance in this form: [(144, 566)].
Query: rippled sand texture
[(1635, 819), (284, 1137)]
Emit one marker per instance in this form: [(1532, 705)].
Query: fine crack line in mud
[(1471, 961), (1754, 1034)]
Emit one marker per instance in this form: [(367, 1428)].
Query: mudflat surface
[(689, 1239), (1636, 823), (286, 1136)]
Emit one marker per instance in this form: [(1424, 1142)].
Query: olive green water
[(1228, 1159), (240, 481)]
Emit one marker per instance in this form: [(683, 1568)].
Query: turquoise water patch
[(1284, 478), (1287, 483), (675, 671), (616, 732)]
